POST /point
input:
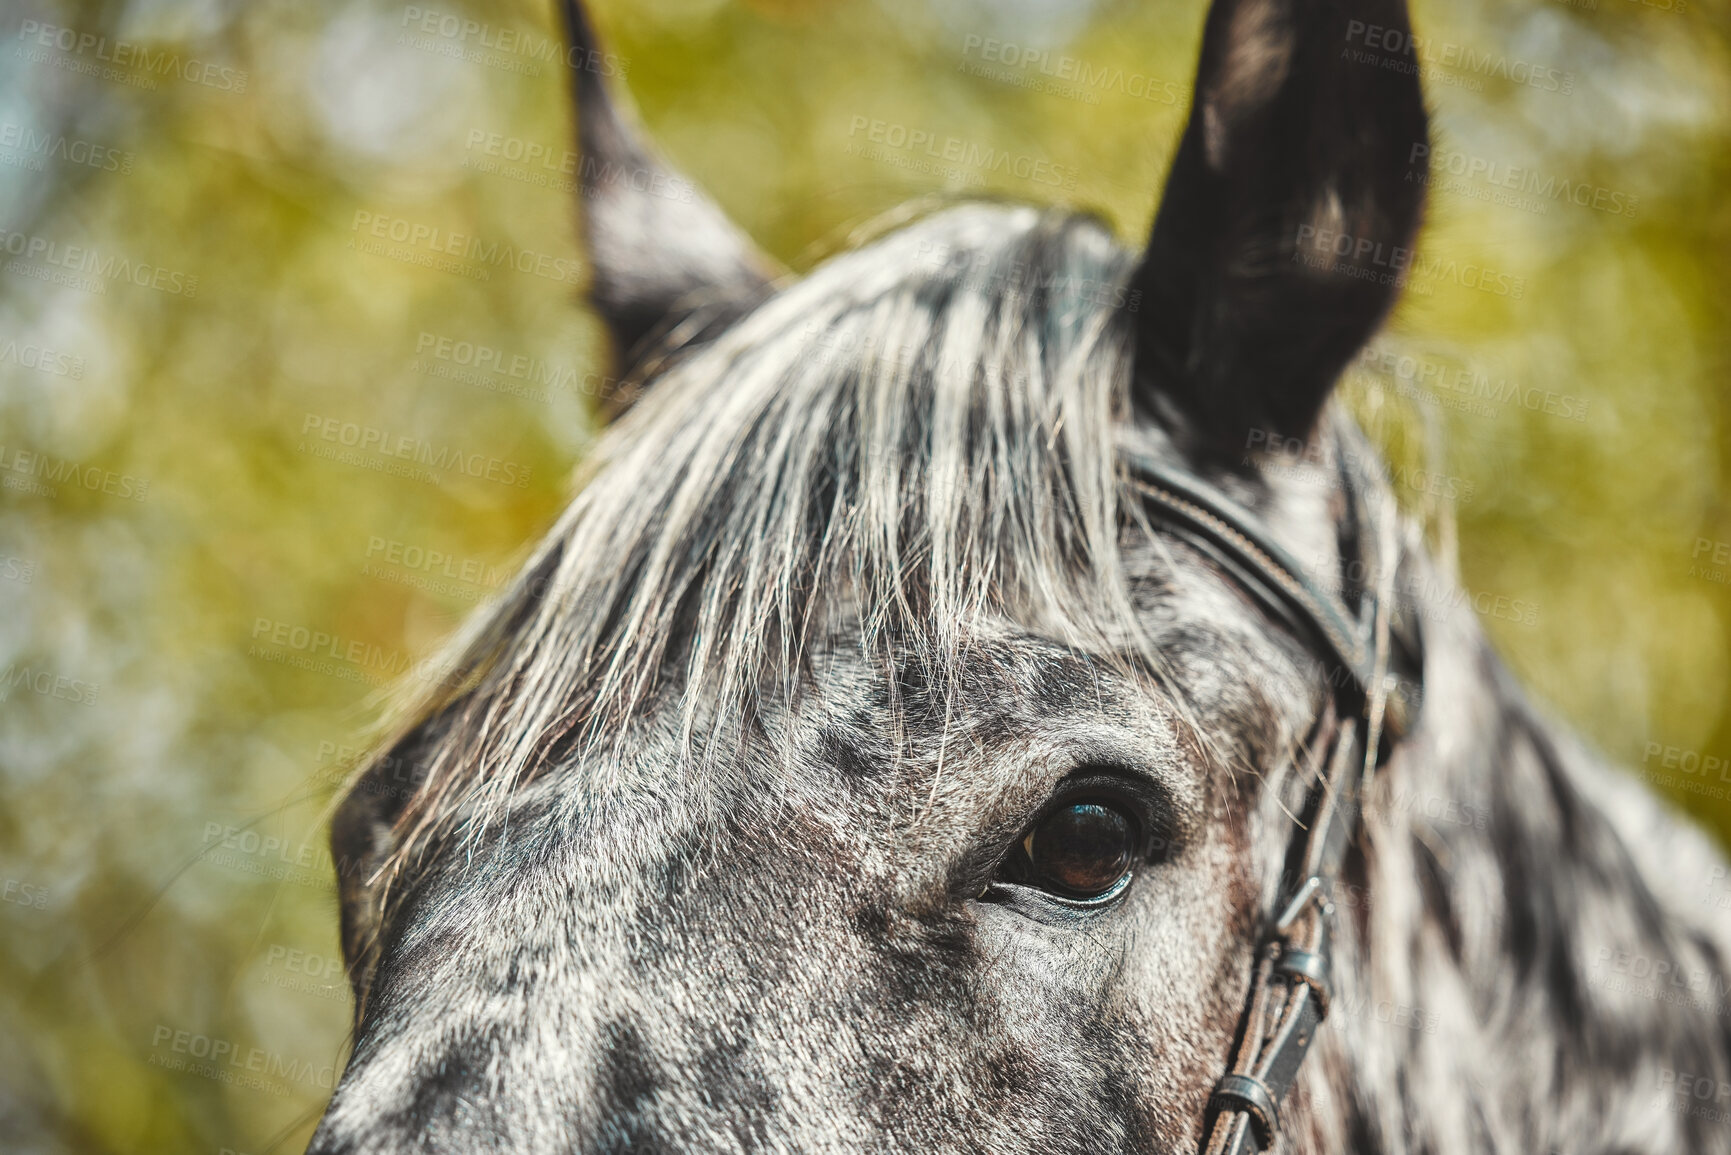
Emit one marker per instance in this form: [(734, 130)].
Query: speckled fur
[(781, 950), (698, 826)]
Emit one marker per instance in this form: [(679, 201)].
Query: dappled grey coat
[(699, 841)]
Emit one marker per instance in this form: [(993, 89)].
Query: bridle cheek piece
[(1373, 664)]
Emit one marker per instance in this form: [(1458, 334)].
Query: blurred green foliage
[(192, 298)]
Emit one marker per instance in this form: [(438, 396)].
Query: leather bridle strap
[(1291, 983)]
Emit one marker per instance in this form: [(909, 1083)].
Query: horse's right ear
[(1287, 223), (660, 252)]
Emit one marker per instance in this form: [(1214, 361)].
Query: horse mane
[(924, 430), (924, 426)]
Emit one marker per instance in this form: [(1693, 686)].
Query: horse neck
[(1530, 960)]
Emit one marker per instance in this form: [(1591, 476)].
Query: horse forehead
[(1003, 672), (864, 734), (1199, 648), (876, 768), (882, 766)]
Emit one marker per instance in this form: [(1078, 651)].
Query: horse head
[(867, 761)]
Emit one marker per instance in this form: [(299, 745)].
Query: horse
[(951, 716)]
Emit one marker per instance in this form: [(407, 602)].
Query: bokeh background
[(204, 595)]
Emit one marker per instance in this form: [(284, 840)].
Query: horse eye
[(1081, 850)]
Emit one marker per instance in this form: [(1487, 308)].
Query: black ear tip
[(579, 30), (1270, 260)]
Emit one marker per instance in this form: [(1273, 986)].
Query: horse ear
[(659, 250), (363, 838), (1286, 225)]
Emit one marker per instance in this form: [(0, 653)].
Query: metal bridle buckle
[(1312, 892), (1251, 1095), (1311, 969), (1298, 965)]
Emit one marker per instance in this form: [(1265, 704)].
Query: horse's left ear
[(1288, 218), (659, 250), (364, 832)]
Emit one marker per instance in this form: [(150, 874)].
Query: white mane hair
[(924, 426)]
